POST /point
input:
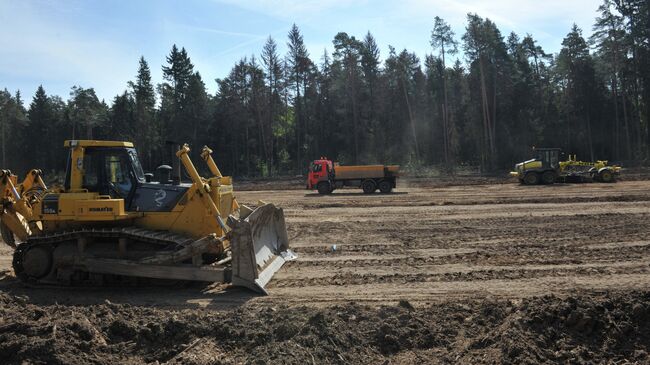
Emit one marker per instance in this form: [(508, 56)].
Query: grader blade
[(259, 246)]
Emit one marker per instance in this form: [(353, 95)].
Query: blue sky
[(97, 44)]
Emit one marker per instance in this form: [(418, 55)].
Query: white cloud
[(291, 9), (39, 45), (549, 20), (407, 23), (512, 13), (39, 49), (218, 31)]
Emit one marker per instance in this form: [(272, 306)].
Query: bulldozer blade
[(259, 246)]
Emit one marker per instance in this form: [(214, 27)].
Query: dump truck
[(546, 168), (111, 224), (326, 176)]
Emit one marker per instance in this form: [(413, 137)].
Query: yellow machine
[(546, 168), (111, 224)]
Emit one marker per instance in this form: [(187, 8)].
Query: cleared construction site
[(324, 182), (435, 272)]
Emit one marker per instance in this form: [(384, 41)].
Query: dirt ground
[(433, 273)]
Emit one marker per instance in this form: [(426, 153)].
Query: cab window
[(316, 167), (554, 158), (137, 167), (116, 170), (90, 172)]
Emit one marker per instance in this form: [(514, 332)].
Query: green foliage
[(273, 113), (86, 112)]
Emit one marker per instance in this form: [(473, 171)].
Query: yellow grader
[(546, 168), (111, 224)]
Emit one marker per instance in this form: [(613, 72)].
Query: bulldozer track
[(139, 234), (48, 242)]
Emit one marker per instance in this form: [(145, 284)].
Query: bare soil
[(433, 273)]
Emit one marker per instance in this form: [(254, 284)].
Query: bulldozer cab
[(112, 170), (549, 157)]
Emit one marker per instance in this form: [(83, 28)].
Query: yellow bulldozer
[(112, 224), (546, 168)]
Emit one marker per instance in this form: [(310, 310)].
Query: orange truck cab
[(327, 176)]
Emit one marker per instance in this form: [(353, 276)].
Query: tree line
[(485, 106)]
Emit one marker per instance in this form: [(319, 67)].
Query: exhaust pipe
[(176, 163)]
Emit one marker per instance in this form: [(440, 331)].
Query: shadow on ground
[(312, 195), (179, 295)]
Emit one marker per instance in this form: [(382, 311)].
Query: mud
[(576, 329), (492, 273)]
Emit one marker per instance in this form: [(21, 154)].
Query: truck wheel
[(368, 186), (606, 176), (385, 186), (548, 177), (531, 178), (324, 188)]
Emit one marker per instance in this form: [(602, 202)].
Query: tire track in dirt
[(461, 274), (479, 237), (428, 243)]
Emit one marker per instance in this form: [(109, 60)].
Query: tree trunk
[(445, 109), (444, 135), (487, 129), (639, 120), (297, 126), (271, 119), (306, 127), (570, 117), (625, 120), (628, 145), (589, 137), (493, 123), (248, 156), (352, 95), (262, 133), (408, 107)]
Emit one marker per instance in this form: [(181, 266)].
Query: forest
[(480, 99)]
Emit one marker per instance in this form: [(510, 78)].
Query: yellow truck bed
[(365, 172)]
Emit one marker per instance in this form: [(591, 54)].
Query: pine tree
[(6, 112), (442, 37), (122, 119), (347, 56), (370, 62), (273, 114), (636, 14), (299, 63), (86, 112), (41, 127), (274, 75), (608, 36), (486, 52), (576, 68), (148, 139), (179, 72), (196, 111)]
